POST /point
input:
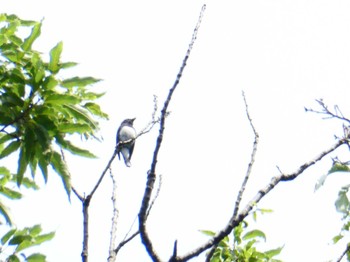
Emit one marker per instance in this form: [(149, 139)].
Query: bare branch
[(112, 254), (125, 241), (344, 253), (234, 221), (80, 197), (128, 239), (105, 170), (252, 160), (152, 172), (153, 121), (155, 197), (328, 113), (247, 175)]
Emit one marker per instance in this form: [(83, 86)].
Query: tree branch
[(152, 172), (112, 254), (344, 253), (252, 160), (234, 221), (249, 170), (325, 111), (128, 239)]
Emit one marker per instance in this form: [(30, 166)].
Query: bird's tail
[(126, 155)]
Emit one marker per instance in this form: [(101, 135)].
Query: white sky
[(283, 54)]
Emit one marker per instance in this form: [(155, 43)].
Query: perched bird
[(126, 132)]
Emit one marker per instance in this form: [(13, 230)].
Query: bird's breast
[(127, 133)]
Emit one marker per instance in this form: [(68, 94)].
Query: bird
[(126, 136)]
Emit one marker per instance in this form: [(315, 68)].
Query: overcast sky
[(283, 54)]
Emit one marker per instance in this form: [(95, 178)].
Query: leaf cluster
[(19, 240), (40, 111), (342, 203), (244, 246)]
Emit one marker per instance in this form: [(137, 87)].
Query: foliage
[(19, 240), (342, 203), (244, 246), (40, 111)]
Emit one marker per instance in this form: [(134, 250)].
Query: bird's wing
[(131, 149), (118, 133)]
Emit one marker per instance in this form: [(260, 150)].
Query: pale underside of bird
[(126, 138)]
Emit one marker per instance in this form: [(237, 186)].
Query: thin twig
[(124, 242), (325, 111), (128, 239), (112, 254), (252, 159), (152, 172), (247, 175), (156, 195)]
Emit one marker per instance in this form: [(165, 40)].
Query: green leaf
[(4, 171), (44, 237), (42, 136), (13, 258), (96, 110), (339, 167), (29, 144), (81, 116), (5, 213), (274, 252), (16, 40), (22, 166), (74, 128), (12, 147), (337, 238), (61, 99), (36, 30), (254, 234), (55, 55), (11, 194), (79, 82), (26, 182), (342, 202), (27, 241), (74, 149), (5, 138), (19, 239), (60, 167), (68, 65), (37, 257), (50, 82), (7, 236), (43, 164), (35, 230), (207, 232), (321, 181)]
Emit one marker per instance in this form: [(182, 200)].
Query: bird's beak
[(133, 119)]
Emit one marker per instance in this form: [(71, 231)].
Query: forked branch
[(152, 172)]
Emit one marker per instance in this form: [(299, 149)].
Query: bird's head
[(129, 121)]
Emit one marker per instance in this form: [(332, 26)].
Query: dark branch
[(174, 256), (125, 241), (152, 172), (344, 253)]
